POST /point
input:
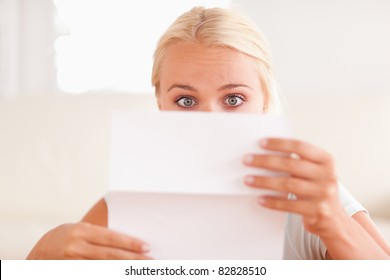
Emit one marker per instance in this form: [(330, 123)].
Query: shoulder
[(97, 215)]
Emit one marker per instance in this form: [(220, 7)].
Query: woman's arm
[(97, 215), (89, 239), (311, 176), (364, 222)]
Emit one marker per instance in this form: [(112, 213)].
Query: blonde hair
[(221, 27)]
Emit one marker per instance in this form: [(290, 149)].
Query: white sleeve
[(299, 244)]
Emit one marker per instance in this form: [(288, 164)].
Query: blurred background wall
[(319, 47), (331, 62), (337, 47)]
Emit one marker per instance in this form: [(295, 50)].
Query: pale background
[(331, 60)]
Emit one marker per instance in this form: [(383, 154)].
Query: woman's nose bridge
[(211, 107)]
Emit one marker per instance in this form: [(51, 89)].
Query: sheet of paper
[(176, 181)]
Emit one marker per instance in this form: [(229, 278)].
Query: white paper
[(176, 181)]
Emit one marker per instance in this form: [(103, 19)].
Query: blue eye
[(185, 102), (234, 100)]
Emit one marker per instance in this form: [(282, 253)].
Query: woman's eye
[(186, 102), (234, 100)]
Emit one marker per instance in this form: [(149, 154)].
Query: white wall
[(26, 47), (328, 47), (118, 35), (318, 46)]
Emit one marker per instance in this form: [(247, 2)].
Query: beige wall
[(326, 47)]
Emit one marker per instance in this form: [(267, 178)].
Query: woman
[(215, 60)]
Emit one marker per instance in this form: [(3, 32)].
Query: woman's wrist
[(351, 241)]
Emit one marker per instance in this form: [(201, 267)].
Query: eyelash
[(182, 97), (241, 97)]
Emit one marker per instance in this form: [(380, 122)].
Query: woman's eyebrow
[(224, 87), (232, 86), (185, 87)]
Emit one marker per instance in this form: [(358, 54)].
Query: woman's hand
[(88, 241), (310, 176)]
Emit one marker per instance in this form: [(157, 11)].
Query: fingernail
[(262, 200), (264, 142), (145, 248), (248, 159), (249, 180)]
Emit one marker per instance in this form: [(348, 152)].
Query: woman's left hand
[(310, 176)]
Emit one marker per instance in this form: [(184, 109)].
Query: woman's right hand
[(88, 241)]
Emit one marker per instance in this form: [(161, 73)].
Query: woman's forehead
[(197, 61), (182, 51)]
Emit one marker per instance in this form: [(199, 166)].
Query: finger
[(302, 149), (105, 237), (302, 207), (299, 187), (292, 166), (96, 252)]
